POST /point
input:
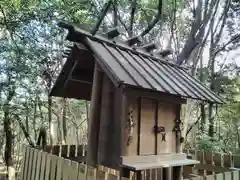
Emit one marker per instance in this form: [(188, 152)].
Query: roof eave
[(126, 86)]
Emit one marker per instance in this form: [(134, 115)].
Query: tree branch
[(26, 134), (123, 24), (194, 124), (115, 16), (233, 39), (134, 4), (8, 28), (101, 16), (198, 29), (154, 21), (224, 18)]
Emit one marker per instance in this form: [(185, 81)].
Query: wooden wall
[(147, 111)]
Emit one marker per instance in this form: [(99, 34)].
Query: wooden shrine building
[(136, 97)]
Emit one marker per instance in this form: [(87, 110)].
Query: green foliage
[(208, 144), (31, 47)]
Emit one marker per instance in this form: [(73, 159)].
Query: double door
[(156, 114)]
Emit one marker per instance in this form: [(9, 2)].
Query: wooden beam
[(149, 47), (144, 93), (80, 81), (133, 40), (165, 53), (70, 74), (94, 120), (112, 33)]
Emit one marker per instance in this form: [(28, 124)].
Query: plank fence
[(213, 165), (66, 162), (40, 165)]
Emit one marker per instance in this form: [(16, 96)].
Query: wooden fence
[(67, 162), (40, 165), (226, 159), (73, 152), (211, 162), (221, 176), (213, 165)]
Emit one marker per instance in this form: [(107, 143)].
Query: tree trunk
[(202, 107), (212, 67), (87, 110), (27, 122), (7, 123), (64, 120), (211, 121), (8, 145), (203, 118), (115, 22), (133, 4), (50, 118), (40, 109), (59, 129), (34, 120), (9, 136)]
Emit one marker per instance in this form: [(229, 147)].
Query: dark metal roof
[(128, 66)]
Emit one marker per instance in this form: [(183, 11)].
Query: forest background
[(203, 35)]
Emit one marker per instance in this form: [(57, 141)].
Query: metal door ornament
[(130, 125), (161, 130)]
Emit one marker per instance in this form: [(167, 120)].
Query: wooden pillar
[(105, 145), (177, 173), (179, 169), (177, 128), (125, 173), (122, 108), (123, 119), (94, 119), (167, 174)]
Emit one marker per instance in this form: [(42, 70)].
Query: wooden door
[(166, 117), (147, 122)]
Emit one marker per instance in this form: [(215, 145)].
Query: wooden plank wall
[(40, 165)]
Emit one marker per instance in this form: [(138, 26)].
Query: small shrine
[(136, 96)]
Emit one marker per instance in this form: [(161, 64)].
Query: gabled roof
[(136, 68)]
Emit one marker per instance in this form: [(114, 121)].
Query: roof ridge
[(122, 45)]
